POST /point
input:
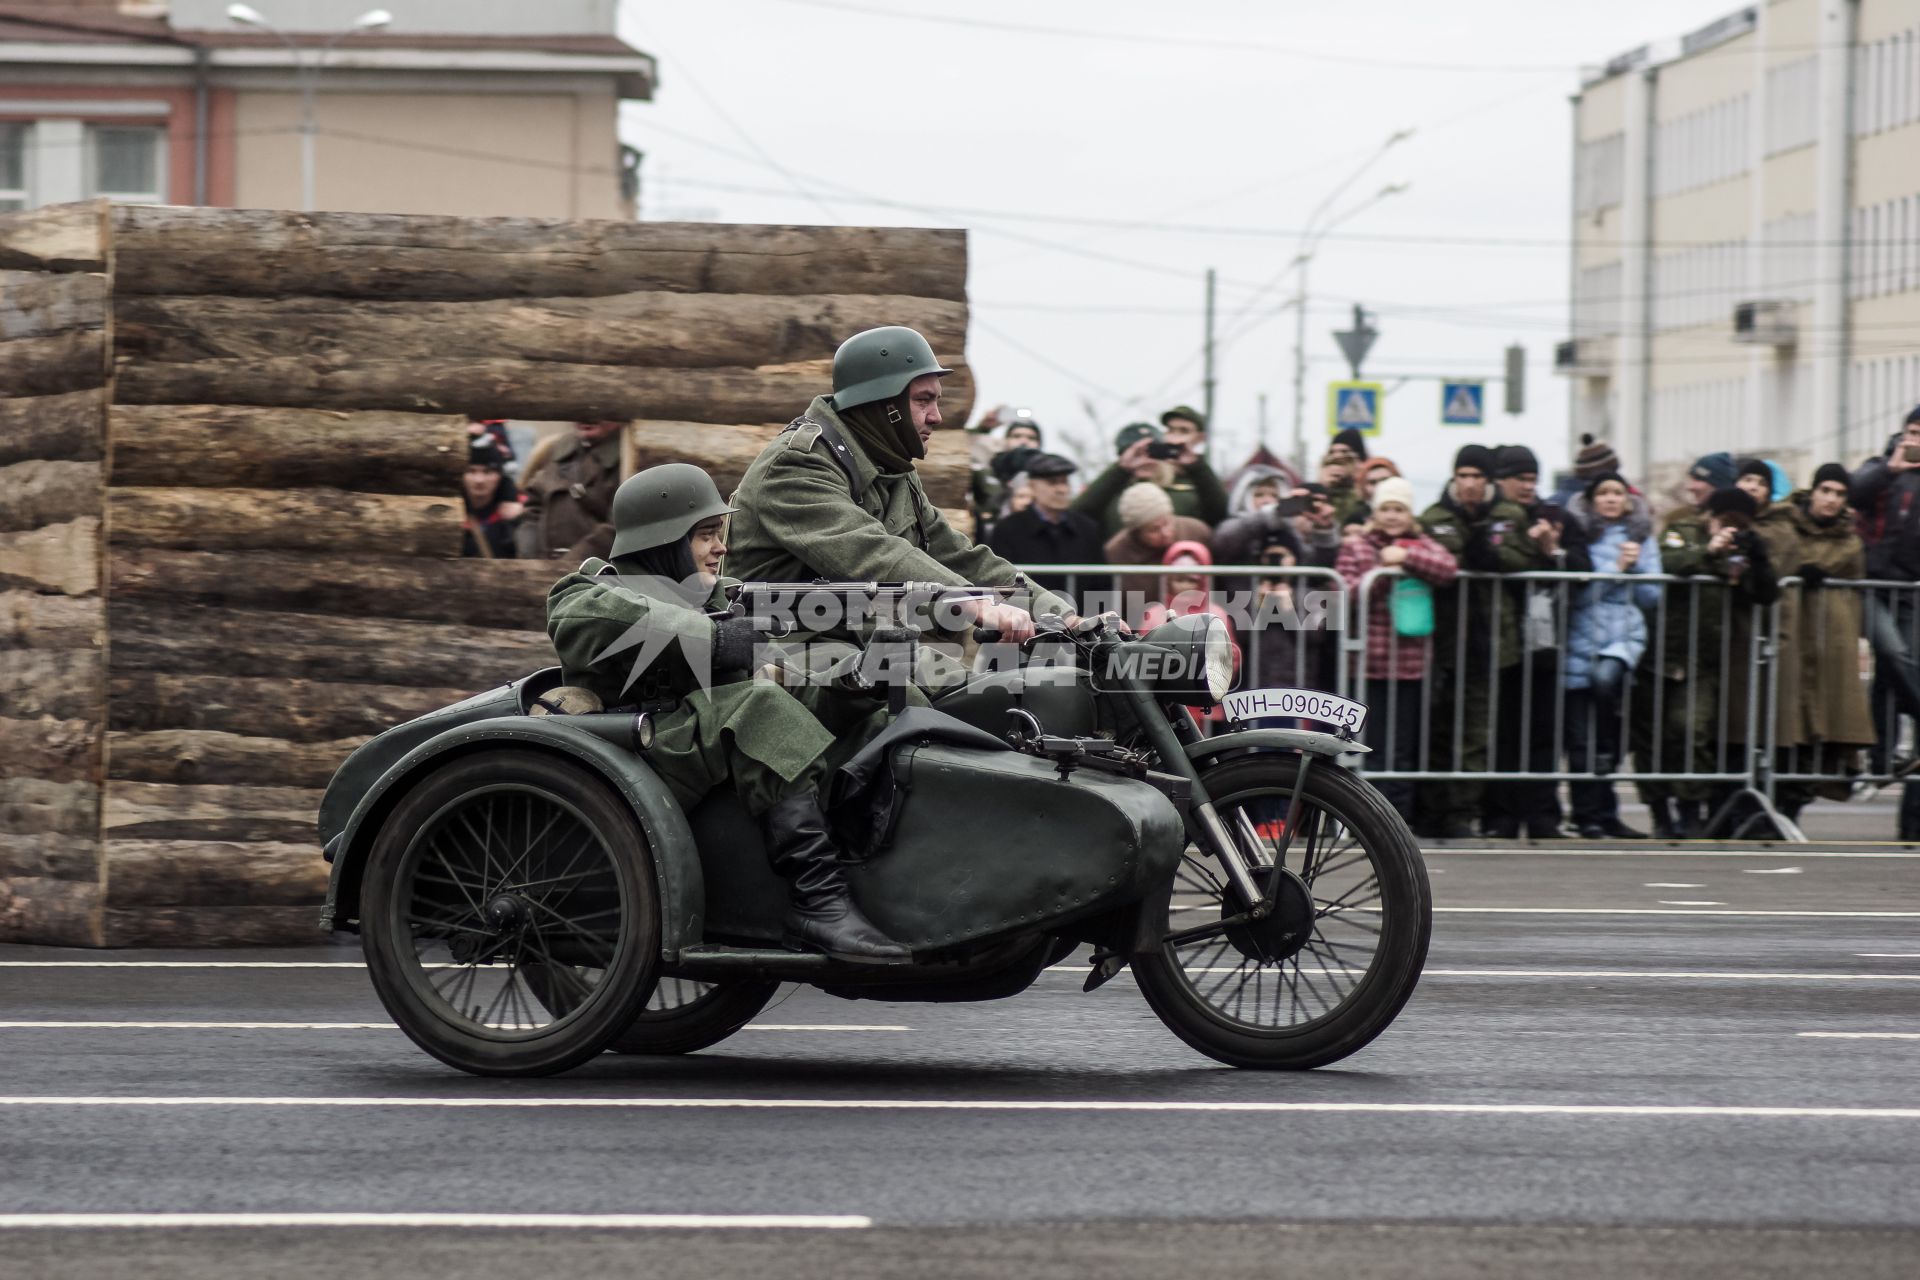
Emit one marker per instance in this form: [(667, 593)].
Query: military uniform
[(569, 499), (802, 514), (773, 742), (1491, 539)]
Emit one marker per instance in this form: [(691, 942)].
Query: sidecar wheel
[(685, 1016), (511, 922), (1340, 956)]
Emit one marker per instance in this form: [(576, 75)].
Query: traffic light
[(1516, 379)]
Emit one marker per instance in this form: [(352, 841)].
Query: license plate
[(1303, 704)]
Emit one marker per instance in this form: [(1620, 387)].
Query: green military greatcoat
[(798, 518), (771, 741)]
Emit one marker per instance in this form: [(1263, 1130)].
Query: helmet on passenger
[(661, 505), (879, 363)]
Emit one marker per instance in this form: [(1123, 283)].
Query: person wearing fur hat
[(1148, 527), (493, 503), (1606, 638), (1190, 483), (1487, 534), (1393, 667)]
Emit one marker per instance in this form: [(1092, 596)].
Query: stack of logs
[(282, 438)]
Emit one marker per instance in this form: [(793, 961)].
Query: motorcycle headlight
[(1196, 666)]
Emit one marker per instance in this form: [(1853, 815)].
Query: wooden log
[(481, 593), (330, 520), (272, 254), (160, 811), (39, 304), (57, 750), (187, 639), (57, 557), (648, 330), (196, 926), (49, 857), (61, 237), (30, 620), (725, 453), (196, 757), (71, 426), (146, 872), (66, 685), (50, 912), (221, 446), (37, 493), (37, 806), (297, 710), (59, 362)]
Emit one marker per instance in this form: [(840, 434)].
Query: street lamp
[(1310, 237), (308, 76)]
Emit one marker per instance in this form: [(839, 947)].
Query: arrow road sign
[(1355, 405), (1463, 404)]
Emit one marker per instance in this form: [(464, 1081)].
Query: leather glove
[(1812, 575)]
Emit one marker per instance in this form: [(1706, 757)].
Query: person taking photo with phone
[(1169, 461)]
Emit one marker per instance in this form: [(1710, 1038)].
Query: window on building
[(127, 163), (13, 167)]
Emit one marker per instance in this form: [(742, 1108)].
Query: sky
[(1103, 155)]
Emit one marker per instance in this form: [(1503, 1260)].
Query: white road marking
[(1595, 1110), (1670, 884), (537, 1221), (1859, 1035), (1690, 902), (1888, 955), (1681, 975), (1748, 854), (1657, 911), (181, 964), (1771, 871), (357, 1026)]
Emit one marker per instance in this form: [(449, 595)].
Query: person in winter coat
[(1392, 669), (1486, 534), (493, 504), (1149, 527), (569, 482), (1256, 506), (1834, 718), (1184, 594), (1606, 638), (1775, 529), (1886, 494), (1049, 531), (1192, 489)]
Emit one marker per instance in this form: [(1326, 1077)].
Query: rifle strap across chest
[(838, 449)]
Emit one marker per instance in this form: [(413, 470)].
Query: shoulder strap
[(837, 448)]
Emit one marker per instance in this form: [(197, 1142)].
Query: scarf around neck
[(892, 444)]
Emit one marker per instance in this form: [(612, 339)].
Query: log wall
[(53, 402), (229, 547)]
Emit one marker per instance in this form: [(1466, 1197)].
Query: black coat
[(1027, 539), (1889, 505)]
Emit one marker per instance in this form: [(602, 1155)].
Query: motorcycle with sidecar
[(529, 894)]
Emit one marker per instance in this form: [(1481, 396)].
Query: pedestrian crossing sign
[(1463, 404), (1353, 406)]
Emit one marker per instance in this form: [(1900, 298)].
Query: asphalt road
[(1619, 1064)]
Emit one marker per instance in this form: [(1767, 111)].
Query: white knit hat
[(1393, 489), (1144, 503)]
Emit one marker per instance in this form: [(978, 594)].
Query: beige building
[(1746, 226), (454, 106)]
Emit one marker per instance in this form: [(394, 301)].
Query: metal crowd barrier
[(1670, 728)]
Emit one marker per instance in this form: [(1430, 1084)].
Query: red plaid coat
[(1391, 657)]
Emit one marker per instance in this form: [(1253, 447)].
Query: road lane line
[(1770, 871), (1606, 974), (182, 964), (1669, 884), (1677, 911), (1748, 854), (1685, 902), (1582, 1110), (1859, 1035), (48, 1025), (536, 1221), (1887, 955)]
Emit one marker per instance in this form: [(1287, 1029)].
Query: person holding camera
[(1149, 456)]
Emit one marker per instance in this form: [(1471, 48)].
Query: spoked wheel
[(684, 1016), (511, 921), (1336, 960)]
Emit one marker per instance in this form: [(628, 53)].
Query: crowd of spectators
[(1594, 662)]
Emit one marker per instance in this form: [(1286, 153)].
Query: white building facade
[(1746, 231)]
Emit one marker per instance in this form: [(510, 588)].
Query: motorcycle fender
[(676, 860), (1308, 741)]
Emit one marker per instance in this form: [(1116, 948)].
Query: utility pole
[(1206, 404)]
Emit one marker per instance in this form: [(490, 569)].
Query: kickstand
[(1106, 966)]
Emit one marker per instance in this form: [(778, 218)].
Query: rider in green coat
[(652, 629)]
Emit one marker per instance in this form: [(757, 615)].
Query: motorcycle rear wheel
[(1333, 966), (685, 1016)]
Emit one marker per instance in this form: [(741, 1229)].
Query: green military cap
[(1132, 432), (1186, 411)]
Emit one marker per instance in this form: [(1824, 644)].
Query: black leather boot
[(821, 915)]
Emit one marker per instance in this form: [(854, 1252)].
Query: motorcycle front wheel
[(1340, 955)]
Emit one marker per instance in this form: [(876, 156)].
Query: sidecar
[(530, 894)]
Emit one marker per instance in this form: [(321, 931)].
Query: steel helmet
[(878, 365), (662, 504)]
